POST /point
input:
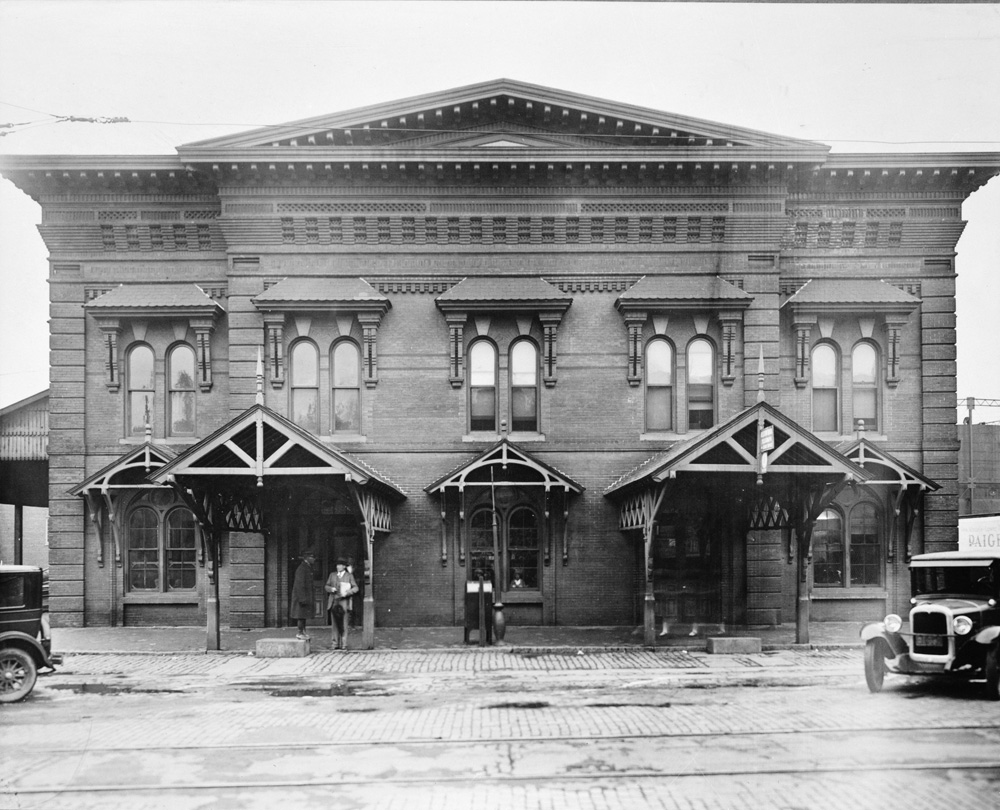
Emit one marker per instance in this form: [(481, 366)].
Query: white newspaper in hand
[(345, 589)]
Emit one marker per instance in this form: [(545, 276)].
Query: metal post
[(18, 534), (482, 613)]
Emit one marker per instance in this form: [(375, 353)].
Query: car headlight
[(962, 625), (893, 623)]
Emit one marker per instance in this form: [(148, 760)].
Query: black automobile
[(25, 636), (953, 627)]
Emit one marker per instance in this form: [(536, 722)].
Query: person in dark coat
[(301, 607)]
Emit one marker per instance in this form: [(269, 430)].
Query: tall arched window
[(825, 385), (828, 549), (161, 549), (659, 385), (864, 388), (305, 385), (140, 388), (143, 550), (483, 386), (523, 548), (481, 560), (700, 384), (180, 545), (180, 394), (524, 386), (865, 558), (345, 372)]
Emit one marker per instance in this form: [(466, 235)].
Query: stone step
[(282, 648), (733, 645)]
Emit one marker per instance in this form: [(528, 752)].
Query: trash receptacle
[(472, 609)]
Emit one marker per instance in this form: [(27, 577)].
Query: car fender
[(877, 630), (32, 646), (988, 635)]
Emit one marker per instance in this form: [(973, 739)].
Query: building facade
[(630, 367)]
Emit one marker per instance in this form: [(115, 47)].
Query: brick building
[(630, 366)]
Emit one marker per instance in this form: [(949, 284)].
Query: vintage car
[(953, 627), (25, 637)]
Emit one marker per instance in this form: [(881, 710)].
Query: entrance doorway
[(325, 524), (699, 576)]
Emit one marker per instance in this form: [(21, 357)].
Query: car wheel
[(993, 673), (17, 675), (874, 665)]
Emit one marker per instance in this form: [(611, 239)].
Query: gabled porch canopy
[(889, 471), (125, 476), (260, 444), (777, 472), (504, 465), (226, 477)]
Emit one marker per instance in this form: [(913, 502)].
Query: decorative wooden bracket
[(550, 326), (893, 329), (803, 330), (111, 329), (369, 356), (274, 323), (729, 320), (203, 329), (456, 348), (634, 322)]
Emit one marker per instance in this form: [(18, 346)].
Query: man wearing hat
[(301, 607), (340, 586)]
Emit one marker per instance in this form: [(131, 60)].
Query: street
[(495, 729)]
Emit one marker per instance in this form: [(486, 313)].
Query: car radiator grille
[(930, 633)]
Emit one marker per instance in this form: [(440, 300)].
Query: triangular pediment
[(259, 444), (129, 470), (732, 447), (502, 114), (505, 464)]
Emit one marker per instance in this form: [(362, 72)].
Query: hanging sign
[(767, 438)]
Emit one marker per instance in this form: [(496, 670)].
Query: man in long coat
[(301, 607)]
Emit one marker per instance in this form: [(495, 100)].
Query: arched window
[(143, 550), (700, 384), (865, 558), (345, 372), (180, 393), (659, 385), (828, 549), (161, 549), (825, 385), (481, 545), (524, 386), (305, 385), (140, 388), (523, 548), (483, 386), (181, 550), (864, 388)]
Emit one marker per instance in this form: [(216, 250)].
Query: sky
[(859, 78)]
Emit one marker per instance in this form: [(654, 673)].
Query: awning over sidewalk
[(126, 475), (758, 460)]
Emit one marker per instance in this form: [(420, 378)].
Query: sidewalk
[(151, 640)]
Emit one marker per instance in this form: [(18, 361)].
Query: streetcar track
[(431, 741), (497, 779)]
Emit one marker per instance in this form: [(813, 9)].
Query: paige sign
[(979, 533)]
